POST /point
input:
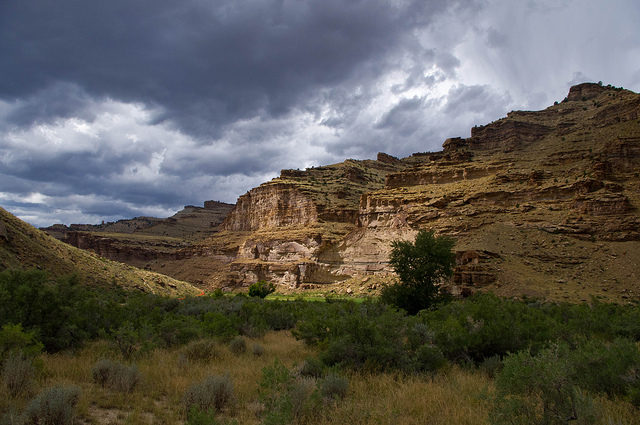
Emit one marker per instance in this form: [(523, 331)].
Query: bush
[(312, 367), (485, 325), (334, 386), (303, 397), (421, 266), (286, 398), (491, 366), (540, 390), (211, 395), (17, 374), (198, 417), (257, 350), (261, 289), (14, 339), (54, 406), (429, 358), (203, 350), (238, 345), (115, 376), (610, 368), (219, 325)]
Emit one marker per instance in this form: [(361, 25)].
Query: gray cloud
[(206, 63), (119, 108)]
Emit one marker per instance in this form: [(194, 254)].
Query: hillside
[(141, 240), (24, 247), (541, 203)]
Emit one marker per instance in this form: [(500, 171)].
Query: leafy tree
[(261, 289), (420, 265)]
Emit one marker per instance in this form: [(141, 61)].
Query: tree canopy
[(421, 265)]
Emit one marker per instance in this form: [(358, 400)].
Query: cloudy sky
[(120, 108)]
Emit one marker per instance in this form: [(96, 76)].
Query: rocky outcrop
[(474, 269), (131, 251), (387, 159), (270, 206), (439, 175), (191, 221), (585, 91)]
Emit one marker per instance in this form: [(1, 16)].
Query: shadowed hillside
[(24, 247)]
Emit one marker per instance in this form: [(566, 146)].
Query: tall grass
[(452, 395)]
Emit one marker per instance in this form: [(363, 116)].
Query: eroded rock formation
[(541, 203)]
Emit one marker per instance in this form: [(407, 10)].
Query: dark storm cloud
[(59, 100), (205, 63), (121, 108)]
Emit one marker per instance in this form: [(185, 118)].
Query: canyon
[(542, 204)]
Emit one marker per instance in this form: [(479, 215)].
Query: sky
[(120, 108)]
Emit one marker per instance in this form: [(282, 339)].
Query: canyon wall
[(540, 203)]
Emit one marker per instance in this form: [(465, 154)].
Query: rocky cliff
[(144, 240), (541, 203)]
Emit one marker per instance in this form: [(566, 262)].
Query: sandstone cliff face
[(272, 205), (582, 190)]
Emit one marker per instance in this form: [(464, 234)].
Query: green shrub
[(54, 406), (18, 373), (127, 339), (219, 325), (540, 390), (178, 329), (14, 339), (238, 345), (429, 358), (418, 335), (116, 376), (213, 394), (366, 335), (485, 325), (491, 366), (261, 289), (312, 367), (285, 398), (304, 398), (334, 386), (203, 350), (610, 368), (196, 416), (11, 417)]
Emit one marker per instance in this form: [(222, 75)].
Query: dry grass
[(33, 248), (455, 396)]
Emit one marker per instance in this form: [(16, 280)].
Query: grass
[(32, 248), (315, 297), (453, 396)]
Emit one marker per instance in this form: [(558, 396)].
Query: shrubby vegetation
[(115, 375), (261, 289), (549, 360)]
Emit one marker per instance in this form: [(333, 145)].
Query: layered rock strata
[(541, 203)]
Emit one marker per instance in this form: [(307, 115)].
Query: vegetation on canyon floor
[(75, 353)]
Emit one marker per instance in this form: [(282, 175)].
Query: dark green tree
[(261, 289), (421, 266)]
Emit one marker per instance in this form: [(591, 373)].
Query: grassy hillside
[(24, 247)]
